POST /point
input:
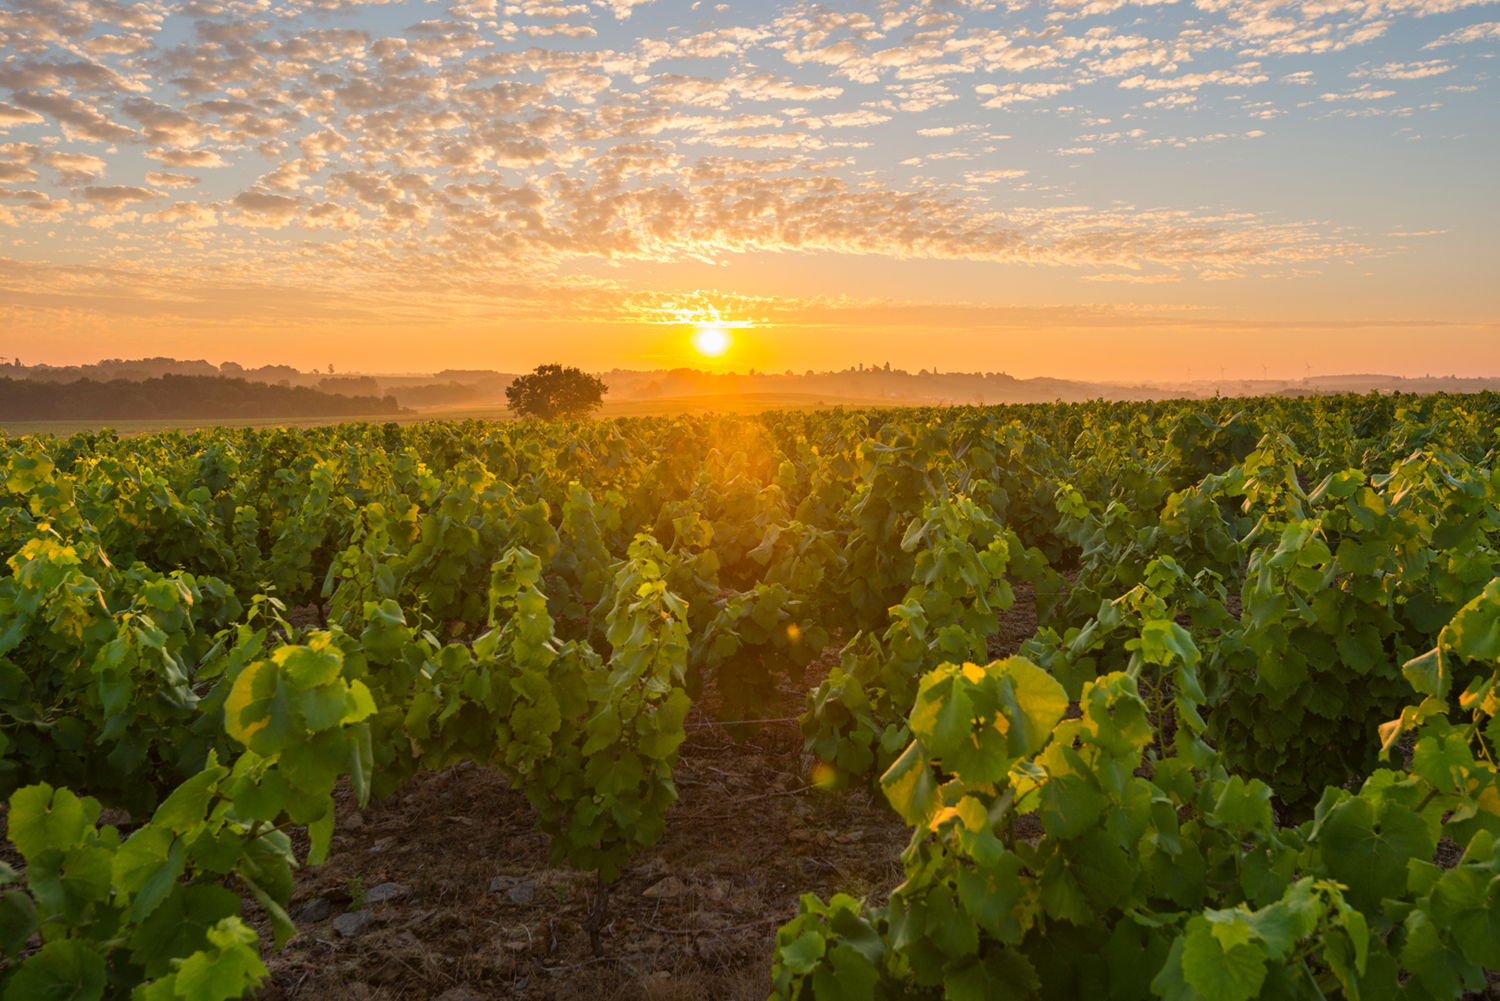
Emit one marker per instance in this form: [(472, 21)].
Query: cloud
[(185, 215), (186, 157), (1012, 92), (78, 73), (115, 195), (512, 137), (264, 210), (923, 95), (20, 153), (857, 119), (539, 8), (772, 140), (73, 167), (119, 45), (559, 30), (78, 120), (1473, 33), (12, 115), (1134, 279), (110, 221), (162, 179), (622, 8), (1192, 81), (1364, 93), (768, 87), (1403, 71), (578, 83)]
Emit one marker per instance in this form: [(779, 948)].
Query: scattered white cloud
[(115, 195), (1364, 93), (1473, 33), (186, 157), (992, 176), (508, 136), (73, 167), (163, 179), (12, 115), (1403, 71), (1010, 93), (622, 8), (1133, 279), (1192, 81)]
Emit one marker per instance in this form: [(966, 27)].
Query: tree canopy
[(553, 391)]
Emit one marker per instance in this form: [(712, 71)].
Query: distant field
[(742, 403), (63, 429), (738, 403)]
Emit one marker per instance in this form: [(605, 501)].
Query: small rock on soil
[(385, 893), (352, 923)]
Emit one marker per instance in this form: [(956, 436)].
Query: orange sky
[(1129, 336)]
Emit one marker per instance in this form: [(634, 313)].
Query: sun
[(711, 342)]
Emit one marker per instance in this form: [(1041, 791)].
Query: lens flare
[(825, 776), (711, 342)]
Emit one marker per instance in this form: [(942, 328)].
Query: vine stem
[(1318, 990), (598, 916)]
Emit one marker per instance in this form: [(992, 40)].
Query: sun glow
[(711, 342)]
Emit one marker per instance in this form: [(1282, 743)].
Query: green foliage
[(604, 795), (96, 671), (147, 913), (1179, 883), (958, 588), (1254, 589)]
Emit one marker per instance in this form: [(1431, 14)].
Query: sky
[(1092, 189)]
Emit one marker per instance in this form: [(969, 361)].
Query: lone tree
[(553, 391)]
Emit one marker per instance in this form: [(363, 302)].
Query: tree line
[(177, 396)]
